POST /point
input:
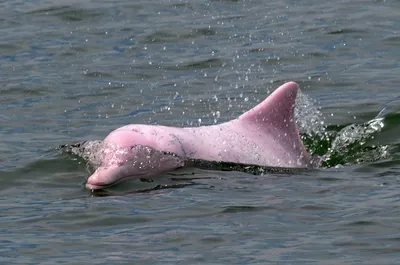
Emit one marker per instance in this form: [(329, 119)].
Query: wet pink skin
[(266, 135)]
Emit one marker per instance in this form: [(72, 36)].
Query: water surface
[(75, 70)]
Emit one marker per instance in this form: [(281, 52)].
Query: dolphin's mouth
[(97, 187), (100, 185), (103, 185)]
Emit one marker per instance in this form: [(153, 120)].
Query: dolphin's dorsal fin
[(276, 110)]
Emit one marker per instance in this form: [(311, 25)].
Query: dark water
[(75, 70)]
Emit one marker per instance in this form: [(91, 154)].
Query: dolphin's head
[(131, 162)]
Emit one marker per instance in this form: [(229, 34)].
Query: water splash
[(385, 110), (350, 144), (308, 117), (339, 146)]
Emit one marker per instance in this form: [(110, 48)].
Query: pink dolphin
[(266, 135)]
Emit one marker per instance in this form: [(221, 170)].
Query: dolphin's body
[(266, 135)]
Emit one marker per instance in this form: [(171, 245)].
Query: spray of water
[(346, 146), (308, 118)]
